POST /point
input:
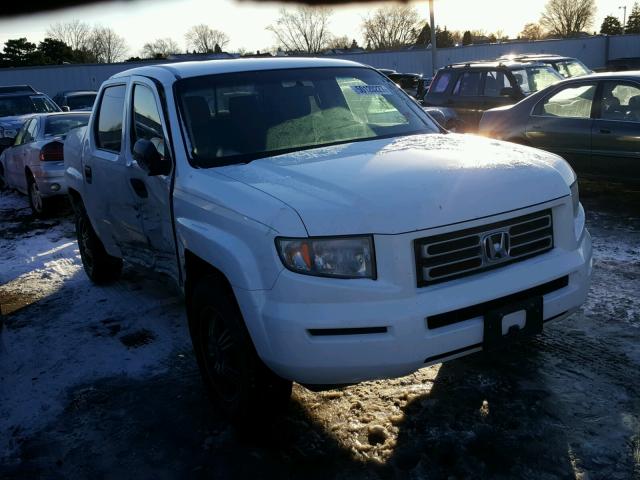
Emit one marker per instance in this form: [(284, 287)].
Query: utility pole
[(433, 38), (624, 17)]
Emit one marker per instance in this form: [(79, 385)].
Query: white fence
[(593, 51)]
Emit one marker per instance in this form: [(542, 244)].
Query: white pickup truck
[(323, 228)]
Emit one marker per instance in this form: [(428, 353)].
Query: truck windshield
[(238, 117), (25, 104), (532, 79)]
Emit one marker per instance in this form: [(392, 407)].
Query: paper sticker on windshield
[(370, 89)]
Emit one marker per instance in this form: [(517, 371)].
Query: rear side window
[(109, 129), (570, 102), (146, 117), (468, 84), (441, 83), (494, 82)]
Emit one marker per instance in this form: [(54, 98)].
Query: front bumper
[(297, 326)]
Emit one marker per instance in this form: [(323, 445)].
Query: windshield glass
[(77, 102), (25, 104), (61, 124), (234, 118), (572, 68), (532, 79)]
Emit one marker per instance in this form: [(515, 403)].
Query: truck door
[(147, 122), (112, 205)]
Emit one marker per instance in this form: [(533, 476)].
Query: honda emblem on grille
[(496, 246)]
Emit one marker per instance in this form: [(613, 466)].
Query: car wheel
[(235, 378), (40, 206), (99, 266)]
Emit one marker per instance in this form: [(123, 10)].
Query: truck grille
[(452, 255)]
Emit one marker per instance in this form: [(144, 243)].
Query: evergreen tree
[(18, 52), (633, 22), (467, 38), (611, 26)]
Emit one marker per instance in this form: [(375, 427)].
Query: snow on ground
[(101, 382), (128, 329)]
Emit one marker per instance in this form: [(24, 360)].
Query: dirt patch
[(138, 338)]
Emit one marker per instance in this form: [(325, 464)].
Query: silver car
[(34, 164)]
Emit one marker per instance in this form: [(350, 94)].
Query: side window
[(494, 82), (146, 118), (441, 83), (21, 134), (570, 102), (620, 101), (30, 133), (109, 128), (468, 85)]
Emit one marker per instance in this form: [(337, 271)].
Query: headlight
[(342, 257), (575, 197)]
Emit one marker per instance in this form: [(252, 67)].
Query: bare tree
[(75, 33), (203, 39), (160, 48), (106, 45), (391, 27), (567, 18), (305, 29), (532, 31), (339, 42)]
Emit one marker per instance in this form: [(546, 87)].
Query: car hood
[(404, 184)]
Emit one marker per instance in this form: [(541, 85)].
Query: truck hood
[(397, 185)]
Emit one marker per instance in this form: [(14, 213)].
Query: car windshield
[(532, 79), (77, 102), (238, 117), (572, 68), (57, 125), (25, 104)]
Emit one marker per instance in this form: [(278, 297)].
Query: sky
[(245, 21)]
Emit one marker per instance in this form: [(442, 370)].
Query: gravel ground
[(100, 382)]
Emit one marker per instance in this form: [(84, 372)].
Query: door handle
[(88, 175), (139, 187), (605, 130)]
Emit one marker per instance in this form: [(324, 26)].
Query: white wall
[(591, 50)]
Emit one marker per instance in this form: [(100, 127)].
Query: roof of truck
[(212, 67)]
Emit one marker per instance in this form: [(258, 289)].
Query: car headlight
[(575, 197), (341, 257)]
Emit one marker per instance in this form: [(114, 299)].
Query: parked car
[(470, 88), (33, 165), (322, 228), (16, 101), (412, 83), (566, 66), (592, 121), (71, 100)]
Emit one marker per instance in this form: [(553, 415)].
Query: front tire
[(235, 378), (99, 266)]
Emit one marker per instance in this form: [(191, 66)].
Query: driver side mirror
[(149, 159), (66, 108), (509, 92)]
